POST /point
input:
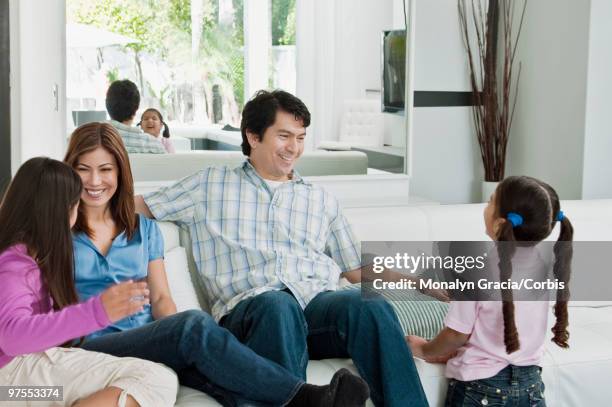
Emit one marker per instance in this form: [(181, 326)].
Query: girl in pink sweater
[(152, 122), (495, 347), (39, 309)]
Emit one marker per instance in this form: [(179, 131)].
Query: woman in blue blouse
[(112, 244)]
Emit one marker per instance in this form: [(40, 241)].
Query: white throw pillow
[(334, 145), (179, 280)]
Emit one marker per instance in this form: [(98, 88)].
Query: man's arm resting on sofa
[(141, 207), (353, 276)]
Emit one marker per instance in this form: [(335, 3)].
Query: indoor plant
[(494, 87)]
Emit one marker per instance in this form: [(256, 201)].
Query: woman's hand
[(124, 299)]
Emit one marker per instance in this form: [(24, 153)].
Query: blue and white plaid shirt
[(137, 141), (248, 239)]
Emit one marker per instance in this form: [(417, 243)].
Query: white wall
[(256, 45), (597, 171), (444, 155), (357, 51), (547, 137), (338, 58), (357, 37), (440, 57), (37, 64), (315, 65), (446, 165)]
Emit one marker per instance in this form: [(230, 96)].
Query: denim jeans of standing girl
[(516, 386)]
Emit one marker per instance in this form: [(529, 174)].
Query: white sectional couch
[(580, 376), (170, 167)]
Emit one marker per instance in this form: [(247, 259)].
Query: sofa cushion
[(388, 223), (170, 232), (179, 280), (418, 316), (417, 313), (172, 167)]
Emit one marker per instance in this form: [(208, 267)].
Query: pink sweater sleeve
[(23, 329), (168, 145)]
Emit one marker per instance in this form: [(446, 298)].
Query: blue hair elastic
[(515, 219), (560, 216)]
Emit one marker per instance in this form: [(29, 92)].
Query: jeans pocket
[(450, 392), (477, 394), (536, 395)]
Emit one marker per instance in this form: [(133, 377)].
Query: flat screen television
[(393, 61)]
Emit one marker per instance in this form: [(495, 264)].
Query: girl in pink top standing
[(494, 348), (39, 308)]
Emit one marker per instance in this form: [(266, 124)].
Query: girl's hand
[(438, 294), (416, 344), (124, 299), (441, 359)]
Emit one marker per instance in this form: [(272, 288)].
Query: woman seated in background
[(152, 122), (112, 243), (39, 308)]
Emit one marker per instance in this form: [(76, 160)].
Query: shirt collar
[(252, 173), (119, 241), (125, 127)]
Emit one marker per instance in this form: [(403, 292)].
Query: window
[(189, 58), (282, 74)]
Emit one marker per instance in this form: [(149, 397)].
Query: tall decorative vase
[(488, 187)]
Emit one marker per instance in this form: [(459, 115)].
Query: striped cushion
[(418, 314)]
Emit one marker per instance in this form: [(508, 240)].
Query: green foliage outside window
[(163, 30)]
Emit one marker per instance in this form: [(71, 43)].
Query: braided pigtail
[(562, 270), (166, 132), (506, 251)]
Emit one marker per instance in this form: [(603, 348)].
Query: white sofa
[(170, 167), (579, 376)]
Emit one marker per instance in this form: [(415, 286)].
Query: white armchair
[(362, 123)]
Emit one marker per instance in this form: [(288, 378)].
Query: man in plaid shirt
[(270, 248)]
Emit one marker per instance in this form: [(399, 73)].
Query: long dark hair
[(87, 138), (538, 204), (35, 211), (166, 132)]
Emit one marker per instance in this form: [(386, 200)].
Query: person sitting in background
[(122, 101), (151, 122)]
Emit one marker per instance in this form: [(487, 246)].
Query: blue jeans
[(335, 324), (516, 386), (205, 357)]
